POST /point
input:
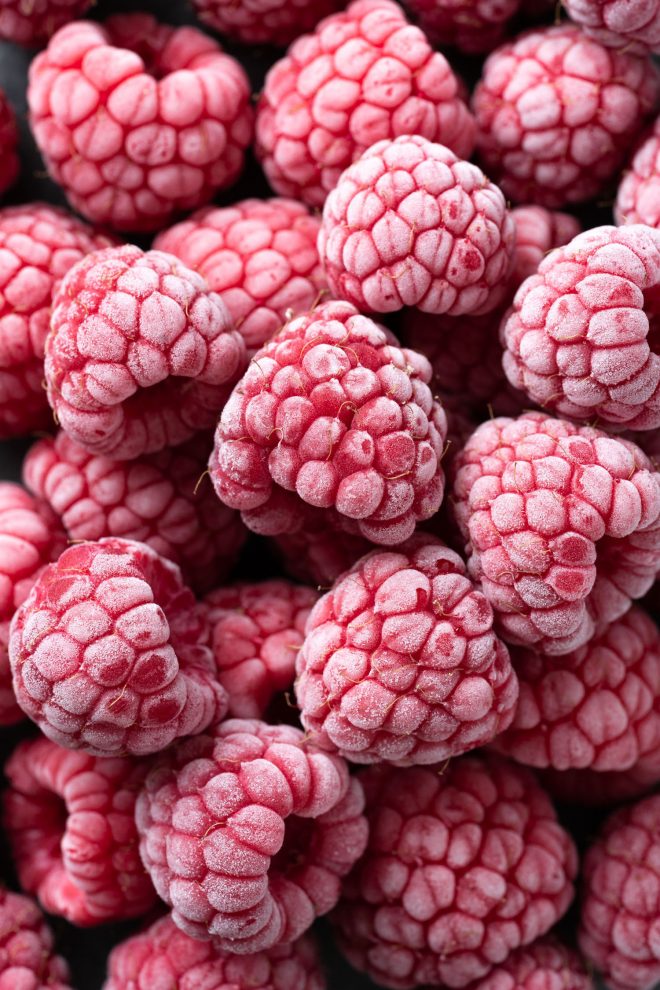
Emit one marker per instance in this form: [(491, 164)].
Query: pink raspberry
[(633, 25), (38, 245), (581, 337), (546, 964), (335, 411), (465, 863), (140, 354), (556, 113), (597, 707), (137, 120), (27, 961), (30, 537), (410, 224), (107, 654), (33, 23), (158, 499), (594, 788), (181, 961), (70, 822), (248, 832), (473, 26), (256, 632), (638, 195), (319, 551), (538, 231), (365, 74), (400, 663), (260, 255), (258, 22), (620, 920), (9, 162), (563, 524)]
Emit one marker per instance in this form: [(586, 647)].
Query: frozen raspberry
[(465, 863), (633, 25), (70, 822), (638, 196), (260, 255), (38, 245), (256, 632), (9, 161), (34, 22), (248, 832), (365, 74), (26, 948), (410, 224), (563, 524), (594, 788), (137, 120), (157, 499), (400, 662), (319, 551), (258, 22), (140, 354), (334, 410), (556, 113), (30, 537), (107, 654), (473, 26), (538, 231), (583, 338), (546, 964), (620, 919)]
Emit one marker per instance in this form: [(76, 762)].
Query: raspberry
[(181, 961), (333, 409), (638, 196), (410, 224), (465, 863), (70, 823), (556, 113), (538, 231), (365, 74), (256, 631), (319, 551), (33, 23), (9, 162), (30, 537), (400, 662), (473, 26), (544, 965), (140, 354), (581, 338), (38, 244), (621, 899), (258, 22), (137, 120), (247, 833), (597, 707), (633, 25), (157, 500), (563, 525), (107, 654), (260, 254), (26, 948), (596, 787)]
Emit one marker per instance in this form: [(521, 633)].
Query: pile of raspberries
[(327, 584)]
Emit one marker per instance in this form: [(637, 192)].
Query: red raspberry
[(365, 74), (633, 25), (30, 537), (638, 196), (465, 863), (546, 964), (410, 224), (248, 832), (319, 551), (333, 409), (107, 654), (256, 632), (594, 788), (556, 113), (140, 355), (620, 920), (26, 948), (260, 255), (9, 162), (400, 662), (38, 244), (258, 22), (137, 120), (157, 500), (563, 525), (33, 23), (473, 26), (581, 337), (70, 822)]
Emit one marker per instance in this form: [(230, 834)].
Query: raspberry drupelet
[(638, 195), (248, 832), (140, 354), (259, 22), (556, 113), (465, 863), (363, 76), (546, 964), (27, 960), (107, 652), (70, 822), (400, 663), (261, 255), (633, 25), (33, 23), (9, 162), (137, 120), (336, 411), (620, 916), (157, 499), (562, 524), (472, 26)]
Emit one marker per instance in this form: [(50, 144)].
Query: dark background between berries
[(87, 949)]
